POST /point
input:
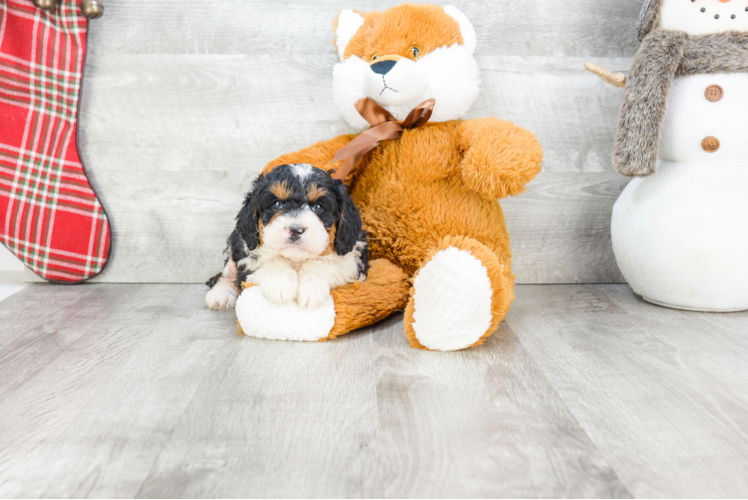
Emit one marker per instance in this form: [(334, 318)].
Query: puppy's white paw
[(222, 296), (312, 293), (280, 287)]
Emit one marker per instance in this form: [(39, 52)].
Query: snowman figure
[(680, 228)]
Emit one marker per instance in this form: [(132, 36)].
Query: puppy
[(297, 236)]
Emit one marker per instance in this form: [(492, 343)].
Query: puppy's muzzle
[(295, 232)]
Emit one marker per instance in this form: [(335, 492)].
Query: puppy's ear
[(349, 226), (247, 222)]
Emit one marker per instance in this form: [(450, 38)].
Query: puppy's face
[(299, 212)]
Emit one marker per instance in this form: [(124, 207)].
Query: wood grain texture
[(182, 106), (584, 391), (528, 28), (663, 393)]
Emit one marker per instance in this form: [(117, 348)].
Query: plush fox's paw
[(458, 297), (222, 296), (262, 318)]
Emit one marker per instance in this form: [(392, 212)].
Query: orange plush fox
[(428, 199)]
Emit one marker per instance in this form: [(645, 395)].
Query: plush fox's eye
[(278, 205), (415, 50), (375, 57)]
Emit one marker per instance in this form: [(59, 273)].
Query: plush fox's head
[(404, 56)]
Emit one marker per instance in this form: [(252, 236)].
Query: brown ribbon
[(384, 127)]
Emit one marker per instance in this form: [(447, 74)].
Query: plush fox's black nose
[(383, 67), (295, 232)]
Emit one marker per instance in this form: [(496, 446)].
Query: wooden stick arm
[(616, 79)]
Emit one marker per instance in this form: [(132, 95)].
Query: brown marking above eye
[(281, 190), (314, 193)]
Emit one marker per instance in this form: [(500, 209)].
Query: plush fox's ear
[(347, 25), (466, 27)]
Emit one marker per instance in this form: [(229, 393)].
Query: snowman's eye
[(703, 9)]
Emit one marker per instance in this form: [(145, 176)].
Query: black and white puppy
[(297, 236)]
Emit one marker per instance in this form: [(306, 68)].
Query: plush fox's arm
[(318, 155), (499, 158)]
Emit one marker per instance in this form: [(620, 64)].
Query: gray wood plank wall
[(184, 103)]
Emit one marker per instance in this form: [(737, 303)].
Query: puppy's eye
[(375, 57), (278, 205), (317, 208), (415, 50)]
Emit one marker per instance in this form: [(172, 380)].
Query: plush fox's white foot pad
[(264, 319), (452, 301)]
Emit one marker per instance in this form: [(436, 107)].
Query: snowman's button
[(710, 144), (714, 93)]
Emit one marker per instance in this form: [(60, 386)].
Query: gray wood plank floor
[(584, 391)]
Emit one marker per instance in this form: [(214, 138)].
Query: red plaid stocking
[(49, 215)]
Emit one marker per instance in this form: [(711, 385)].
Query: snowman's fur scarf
[(663, 56), (648, 18)]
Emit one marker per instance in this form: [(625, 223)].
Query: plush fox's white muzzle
[(395, 82)]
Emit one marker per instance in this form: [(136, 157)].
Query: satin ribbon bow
[(384, 127)]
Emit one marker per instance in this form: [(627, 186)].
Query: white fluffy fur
[(264, 319), (222, 296), (317, 277), (348, 79), (452, 301), (278, 280), (348, 24), (224, 293), (448, 74), (302, 170), (402, 85), (466, 27), (313, 242), (308, 281), (682, 15)]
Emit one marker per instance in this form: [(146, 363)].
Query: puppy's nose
[(383, 67), (295, 232)]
